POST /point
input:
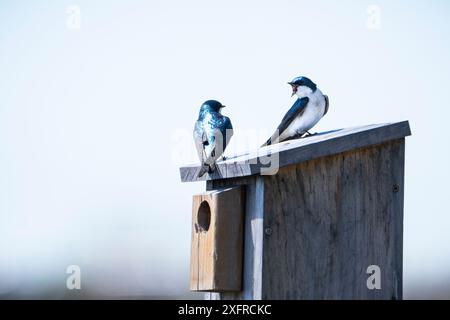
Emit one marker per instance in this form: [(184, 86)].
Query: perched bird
[(212, 132), (309, 108)]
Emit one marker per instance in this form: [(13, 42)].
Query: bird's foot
[(308, 134), (224, 158)]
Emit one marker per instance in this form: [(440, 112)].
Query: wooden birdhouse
[(314, 218)]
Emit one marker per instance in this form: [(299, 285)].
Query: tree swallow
[(309, 108), (212, 132)]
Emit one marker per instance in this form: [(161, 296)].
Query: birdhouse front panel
[(217, 240)]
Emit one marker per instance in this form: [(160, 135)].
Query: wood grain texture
[(332, 217), (300, 150), (217, 240), (253, 238)]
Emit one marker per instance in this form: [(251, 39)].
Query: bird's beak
[(294, 89), (222, 106)]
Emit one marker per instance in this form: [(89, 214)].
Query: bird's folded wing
[(226, 132), (225, 127), (199, 138), (296, 110)]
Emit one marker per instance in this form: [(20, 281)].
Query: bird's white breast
[(314, 111)]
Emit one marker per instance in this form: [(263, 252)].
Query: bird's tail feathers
[(272, 140), (267, 143), (206, 168)]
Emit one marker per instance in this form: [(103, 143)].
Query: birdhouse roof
[(290, 152)]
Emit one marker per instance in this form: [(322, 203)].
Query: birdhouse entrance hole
[(204, 217)]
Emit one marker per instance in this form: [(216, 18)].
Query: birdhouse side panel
[(335, 226)]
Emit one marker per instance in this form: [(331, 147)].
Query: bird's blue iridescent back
[(213, 122), (212, 132)]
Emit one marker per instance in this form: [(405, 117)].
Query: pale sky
[(95, 121)]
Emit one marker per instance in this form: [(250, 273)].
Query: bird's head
[(302, 86), (211, 105)]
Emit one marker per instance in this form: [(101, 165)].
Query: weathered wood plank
[(300, 150), (253, 237), (328, 219), (217, 240)]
